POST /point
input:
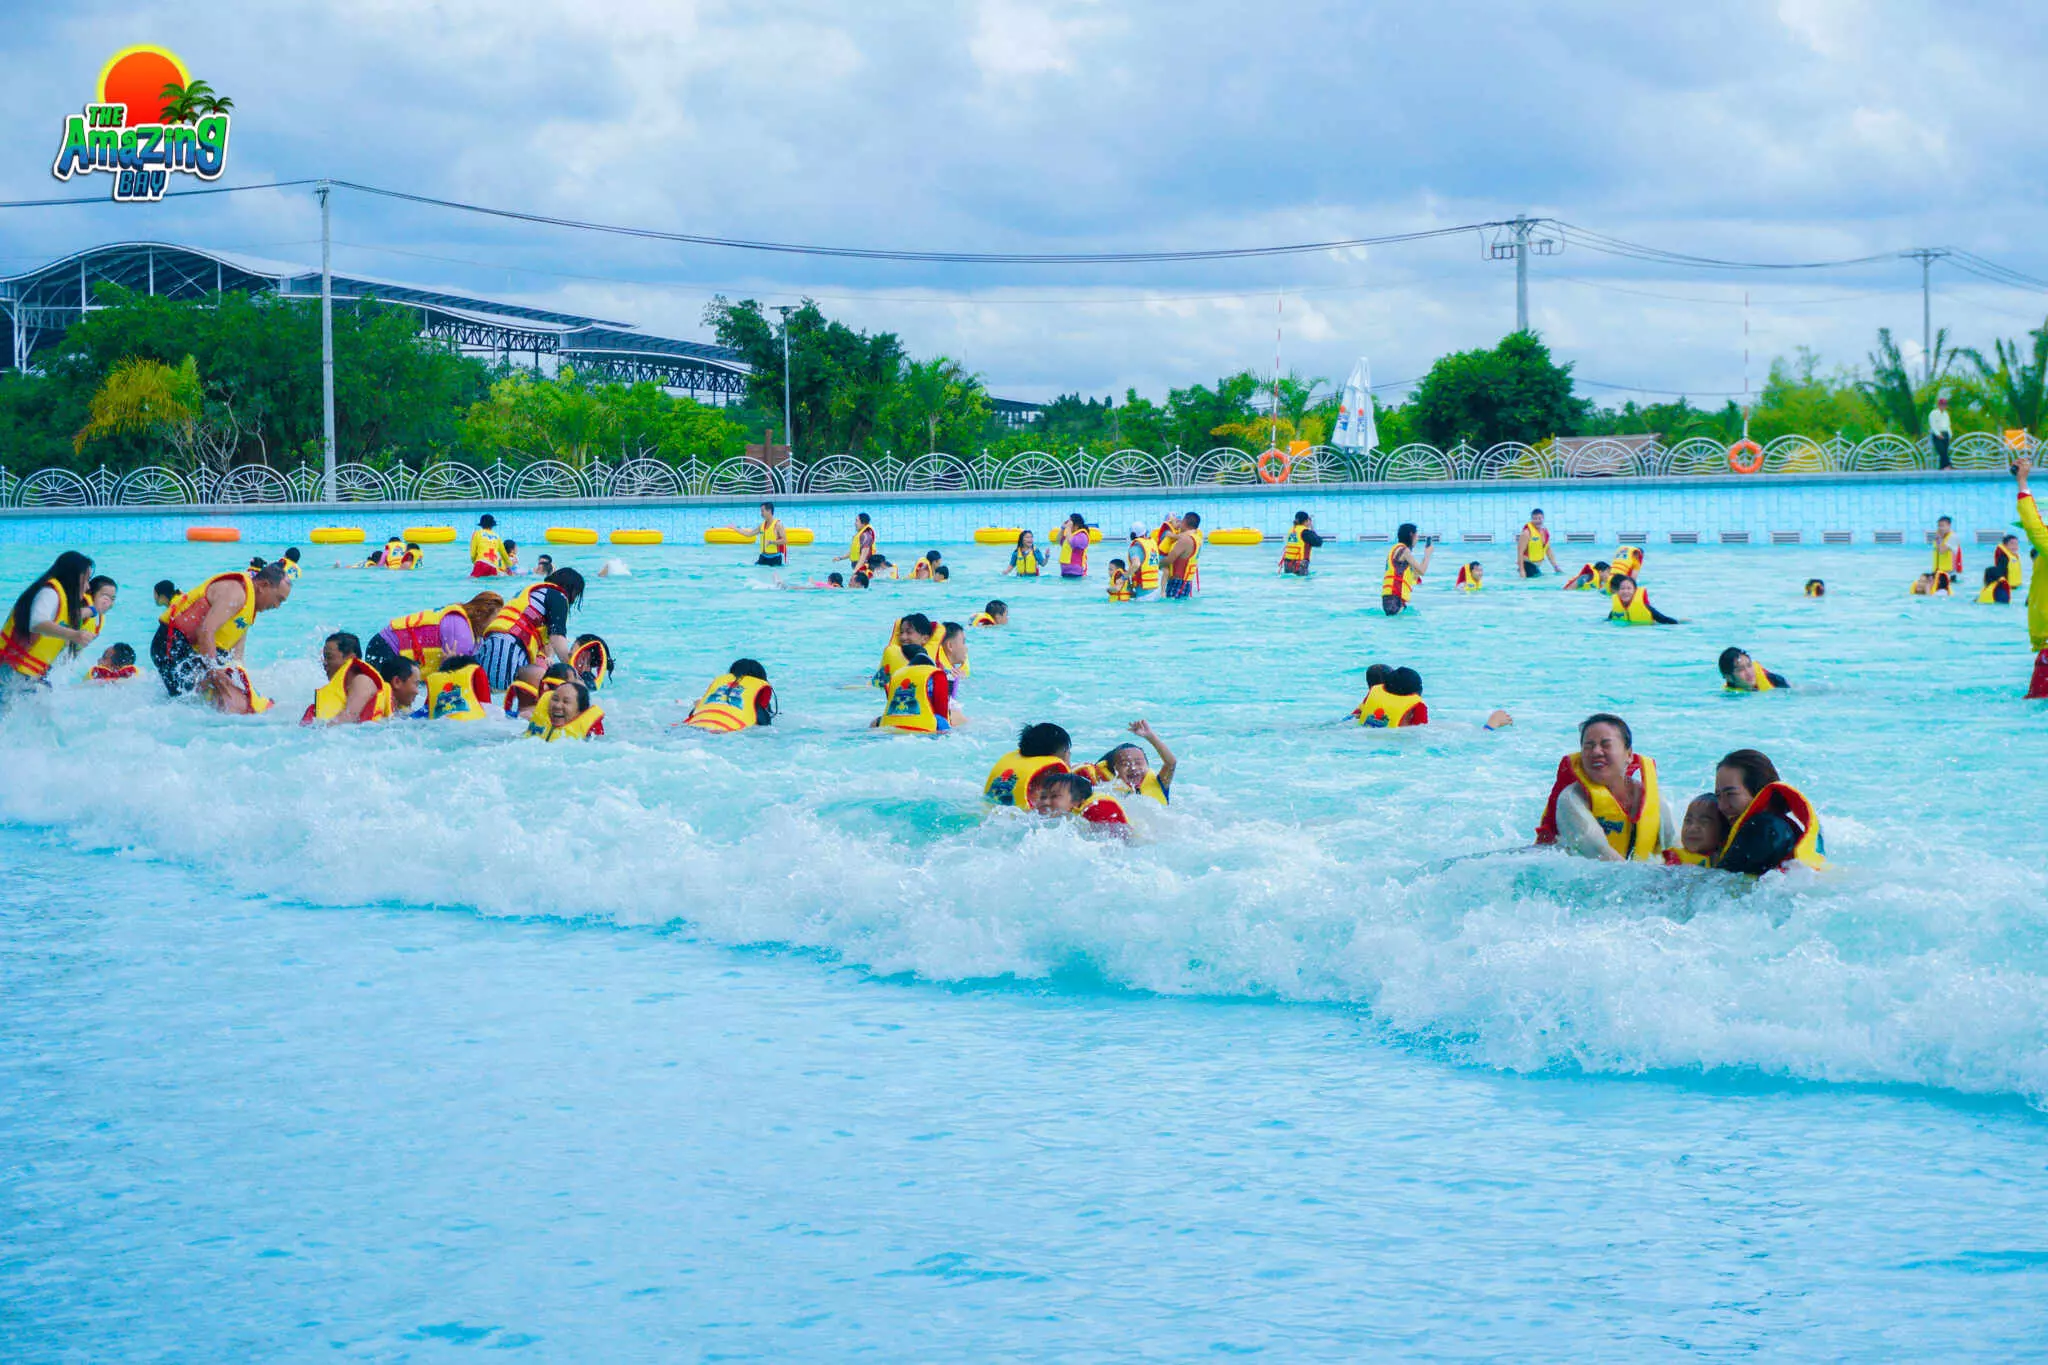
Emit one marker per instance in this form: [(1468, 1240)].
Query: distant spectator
[(1940, 431)]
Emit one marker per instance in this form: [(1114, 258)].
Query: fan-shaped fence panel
[(1223, 465), (644, 478), (740, 476), (1609, 460), (1414, 462), (360, 483), (1796, 455), (1318, 464), (1983, 450), (1035, 469), (151, 486), (936, 473), (1130, 469), (1510, 460), (840, 474), (1883, 453), (53, 488), (546, 479), (1697, 455), (451, 482), (252, 483)]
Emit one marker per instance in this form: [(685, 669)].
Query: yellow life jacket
[(1636, 613), (1635, 840), (2009, 562), (769, 534), (1539, 544), (1383, 710), (486, 547), (909, 705), (1988, 594), (1398, 582), (593, 659), (1466, 582), (458, 694), (1948, 556), (411, 558), (1144, 562), (1295, 551), (1026, 562), (589, 725), (1119, 585), (236, 677), (855, 554), (1763, 678), (524, 621), (1627, 560), (394, 553), (31, 655), (188, 612), (419, 634), (1678, 857), (332, 695), (941, 657), (730, 704), (291, 569), (520, 695), (982, 618), (1009, 782), (893, 657), (1102, 775), (1794, 804), (1595, 580)]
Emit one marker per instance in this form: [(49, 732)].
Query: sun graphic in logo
[(136, 76)]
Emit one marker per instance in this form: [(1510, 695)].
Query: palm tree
[(177, 106), (189, 103), (145, 396), (2017, 387), (1890, 390)]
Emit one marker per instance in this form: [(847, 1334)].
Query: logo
[(150, 121)]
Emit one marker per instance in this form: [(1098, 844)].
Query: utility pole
[(788, 436), (1517, 244), (326, 346), (1927, 256)]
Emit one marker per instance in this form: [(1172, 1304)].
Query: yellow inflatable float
[(571, 535), (431, 535), (733, 535), (1236, 535), (636, 537), (998, 535), (337, 535)]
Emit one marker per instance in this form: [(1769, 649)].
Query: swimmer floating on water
[(1740, 673), (996, 613), (1126, 768), (1630, 605), (1042, 749), (738, 699)]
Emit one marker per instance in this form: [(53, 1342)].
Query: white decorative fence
[(934, 473)]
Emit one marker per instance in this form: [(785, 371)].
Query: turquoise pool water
[(402, 1042)]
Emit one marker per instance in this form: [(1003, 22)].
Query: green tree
[(2015, 390), (144, 397), (1900, 404), (1513, 392), (842, 381), (1799, 400)]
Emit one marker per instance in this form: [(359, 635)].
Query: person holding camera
[(1403, 571)]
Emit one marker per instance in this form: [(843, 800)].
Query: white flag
[(1356, 428)]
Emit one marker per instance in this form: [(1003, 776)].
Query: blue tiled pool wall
[(1834, 509)]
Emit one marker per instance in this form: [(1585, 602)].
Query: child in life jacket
[(1073, 794), (117, 664), (996, 613), (1125, 766), (1816, 588), (1702, 835)]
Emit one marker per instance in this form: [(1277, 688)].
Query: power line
[(73, 200)]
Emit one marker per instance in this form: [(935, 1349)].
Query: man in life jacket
[(1141, 563), (1740, 673), (117, 664), (205, 630), (1771, 824), (1042, 748), (486, 550), (355, 693), (738, 699), (1532, 546), (772, 538), (568, 713), (1605, 802), (2037, 590), (996, 613), (1948, 551), (1126, 768), (863, 545), (1183, 568), (426, 637), (1302, 542)]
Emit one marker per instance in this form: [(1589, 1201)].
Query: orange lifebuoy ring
[(1752, 448), (1278, 471), (216, 535)]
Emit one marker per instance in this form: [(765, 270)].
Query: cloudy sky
[(1790, 131)]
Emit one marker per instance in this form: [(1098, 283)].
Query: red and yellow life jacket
[(1466, 582), (1102, 775), (458, 694), (1395, 580), (730, 704), (1763, 679), (1024, 561), (2008, 564), (189, 609), (1589, 578), (1144, 564), (1074, 553), (419, 634), (1009, 782), (1119, 584), (588, 725), (1383, 710), (524, 619), (917, 700), (1948, 554), (519, 695), (1104, 810), (1791, 802), (1628, 560), (30, 654), (332, 697), (982, 618), (1635, 837), (1678, 857), (1539, 544), (1636, 613), (1296, 550), (101, 673)]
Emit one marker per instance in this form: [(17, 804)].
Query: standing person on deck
[(48, 617), (2037, 596), (773, 538), (1532, 547), (1940, 432)]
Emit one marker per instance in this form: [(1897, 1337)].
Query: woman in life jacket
[(1024, 560), (1605, 802), (531, 626), (531, 686), (863, 544), (1590, 577), (101, 595), (427, 637), (1042, 748), (1403, 571), (738, 699), (1070, 540), (567, 713), (1630, 605), (2005, 557), (1126, 769), (1740, 673), (204, 634), (1771, 824), (1302, 543), (117, 664), (48, 617), (487, 549)]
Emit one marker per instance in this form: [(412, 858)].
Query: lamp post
[(788, 435), (326, 351)]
